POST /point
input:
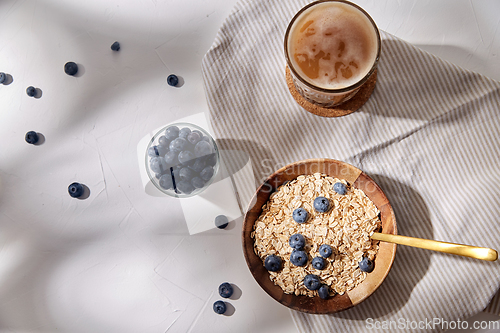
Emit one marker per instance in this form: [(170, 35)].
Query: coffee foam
[(328, 34)]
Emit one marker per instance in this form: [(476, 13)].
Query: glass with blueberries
[(182, 160)]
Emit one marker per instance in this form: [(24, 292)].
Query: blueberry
[(115, 46), (186, 157), (202, 148), (166, 181), (70, 68), (194, 137), (3, 77), (323, 291), (211, 159), (184, 132), (318, 263), (153, 151), (162, 150), (172, 132), (312, 282), (75, 190), (185, 187), (31, 91), (186, 174), (321, 204), (298, 258), (163, 141), (205, 138), (340, 188), (157, 164), (297, 241), (226, 290), (366, 265), (197, 182), (325, 250), (172, 80), (207, 173), (171, 158), (177, 145), (198, 165), (272, 263), (31, 137), (220, 307), (300, 215), (221, 221)]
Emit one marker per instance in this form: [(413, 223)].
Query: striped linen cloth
[(429, 136)]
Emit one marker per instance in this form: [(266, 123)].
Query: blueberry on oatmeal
[(321, 204), (272, 263), (297, 241), (300, 215)]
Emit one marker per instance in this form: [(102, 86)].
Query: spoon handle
[(482, 253)]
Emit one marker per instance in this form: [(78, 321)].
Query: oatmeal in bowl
[(306, 236)]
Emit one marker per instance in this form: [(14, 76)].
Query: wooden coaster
[(339, 110)]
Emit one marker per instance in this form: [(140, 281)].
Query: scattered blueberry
[(75, 190), (3, 77), (197, 182), (366, 265), (31, 137), (300, 215), (172, 80), (171, 158), (163, 141), (318, 263), (70, 68), (340, 188), (31, 91), (325, 250), (221, 221), (177, 145), (220, 307), (321, 204), (312, 282), (172, 132), (272, 263), (185, 187), (198, 164), (115, 46), (194, 137), (297, 241), (184, 132), (166, 182), (186, 157), (202, 148), (153, 151), (226, 290), (207, 173), (298, 258), (323, 291)]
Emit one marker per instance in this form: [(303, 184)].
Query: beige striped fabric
[(429, 136)]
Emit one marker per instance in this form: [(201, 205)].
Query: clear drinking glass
[(332, 48)]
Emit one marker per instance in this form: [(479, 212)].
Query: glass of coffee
[(332, 48)]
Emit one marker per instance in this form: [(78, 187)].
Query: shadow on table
[(410, 264)]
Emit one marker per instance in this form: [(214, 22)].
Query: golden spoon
[(482, 253)]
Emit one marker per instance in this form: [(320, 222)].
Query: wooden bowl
[(383, 259)]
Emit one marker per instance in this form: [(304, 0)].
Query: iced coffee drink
[(332, 48)]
